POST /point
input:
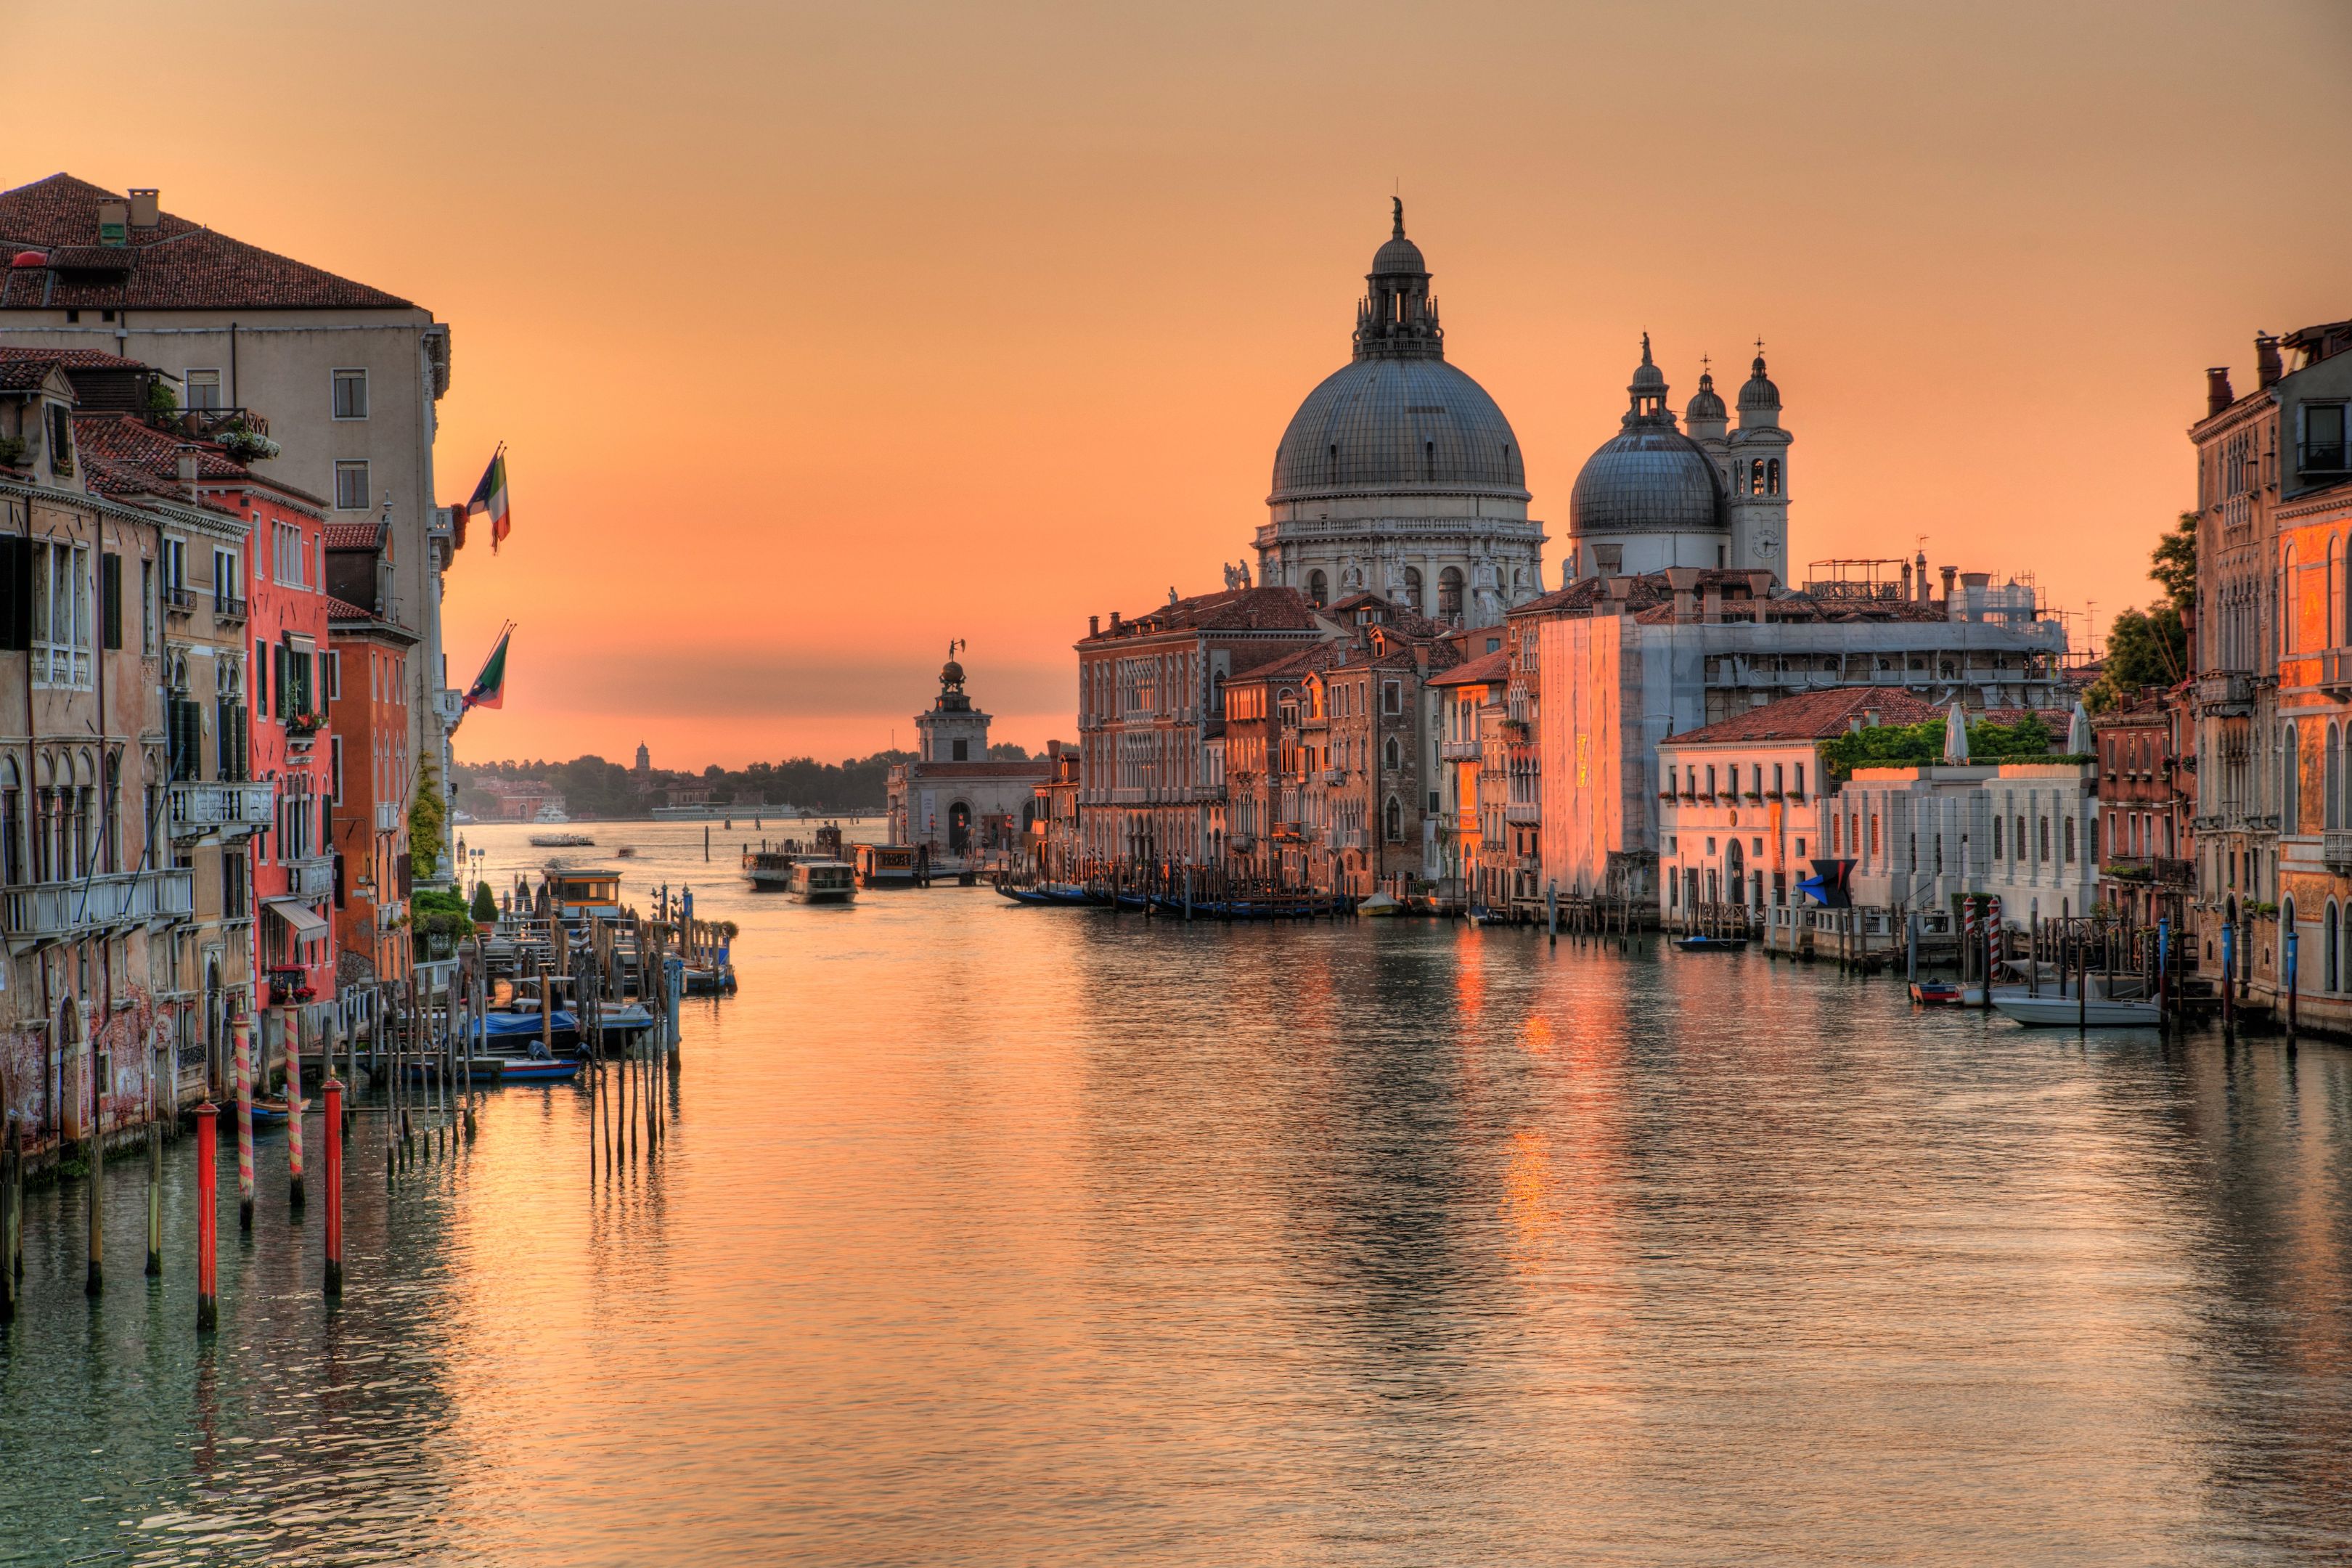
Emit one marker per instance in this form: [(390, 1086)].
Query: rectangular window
[(350, 395), (109, 599), (287, 559), (335, 767), (333, 677), (352, 485), (204, 388), (261, 682), (147, 608)]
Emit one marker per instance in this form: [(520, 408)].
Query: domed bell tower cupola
[(1397, 316), (953, 731), (1757, 463)]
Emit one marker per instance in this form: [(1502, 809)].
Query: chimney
[(188, 468), (146, 206), (1950, 573), (113, 222), (1922, 579), (2218, 395), (1114, 623), (1620, 589), (1907, 579), (1759, 586), (1682, 580), (1870, 717), (2268, 367), (1094, 625)]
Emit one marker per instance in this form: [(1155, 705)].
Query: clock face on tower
[(1766, 544)]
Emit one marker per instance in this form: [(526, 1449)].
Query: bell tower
[(953, 731), (1757, 462)]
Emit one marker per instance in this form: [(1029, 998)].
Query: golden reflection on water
[(997, 1234)]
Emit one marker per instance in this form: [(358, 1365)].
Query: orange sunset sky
[(821, 334)]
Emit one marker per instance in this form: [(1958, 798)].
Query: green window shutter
[(16, 592)]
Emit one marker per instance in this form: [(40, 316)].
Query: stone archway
[(958, 828)]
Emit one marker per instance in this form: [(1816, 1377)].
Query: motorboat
[(561, 841), (1704, 943), (770, 871), (1380, 906), (1051, 895), (2117, 1002), (1940, 993)]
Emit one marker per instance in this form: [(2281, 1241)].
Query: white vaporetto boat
[(824, 881)]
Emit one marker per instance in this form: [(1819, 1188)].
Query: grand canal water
[(993, 1235)]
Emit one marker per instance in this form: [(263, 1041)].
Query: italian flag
[(490, 496), (489, 688)]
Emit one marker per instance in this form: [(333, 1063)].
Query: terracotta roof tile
[(1228, 610), (368, 535), (176, 265), (1486, 667), (73, 359), (1813, 716)]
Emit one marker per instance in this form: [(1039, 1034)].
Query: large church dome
[(1398, 418), (1383, 424)]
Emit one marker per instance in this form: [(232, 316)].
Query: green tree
[(1916, 745), (2150, 648), (486, 904)]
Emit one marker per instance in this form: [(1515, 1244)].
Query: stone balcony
[(2232, 691), (1459, 750), (2336, 849), (1523, 811), (53, 911), (200, 810), (313, 877)]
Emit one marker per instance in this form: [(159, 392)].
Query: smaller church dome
[(1706, 404), (1759, 392)]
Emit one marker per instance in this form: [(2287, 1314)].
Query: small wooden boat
[(1051, 895), (269, 1111), (530, 1069), (1711, 943), (2063, 1009)]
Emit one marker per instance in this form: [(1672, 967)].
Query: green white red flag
[(490, 496), (489, 688)]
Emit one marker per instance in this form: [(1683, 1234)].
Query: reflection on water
[(990, 1235)]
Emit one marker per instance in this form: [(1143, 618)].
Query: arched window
[(2330, 973), (12, 823), (1772, 477), (1755, 478), (1449, 594), (1318, 588), (1394, 756), (1413, 590), (2331, 810), (2290, 783), (1393, 819), (2334, 636), (2288, 602)]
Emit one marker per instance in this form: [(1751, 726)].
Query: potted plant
[(307, 723), (247, 446)]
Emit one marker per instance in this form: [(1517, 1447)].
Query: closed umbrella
[(1956, 735)]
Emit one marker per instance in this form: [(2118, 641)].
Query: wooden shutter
[(278, 680), (109, 599)]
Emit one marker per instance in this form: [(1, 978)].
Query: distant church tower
[(1758, 468), (953, 731), (645, 759)]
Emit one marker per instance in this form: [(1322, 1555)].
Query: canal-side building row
[(2273, 643)]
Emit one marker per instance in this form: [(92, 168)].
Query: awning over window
[(307, 923)]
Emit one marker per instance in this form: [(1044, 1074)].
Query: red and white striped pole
[(243, 1069), (208, 1217), (294, 1109)]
